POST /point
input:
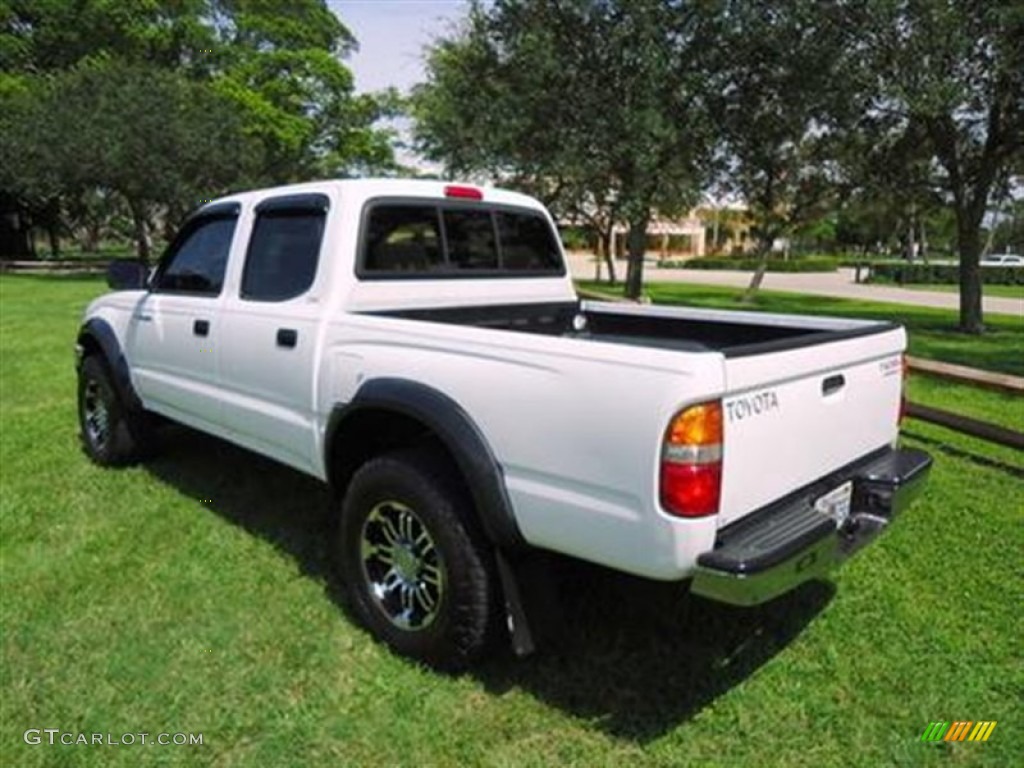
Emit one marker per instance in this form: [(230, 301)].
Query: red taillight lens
[(691, 462), (466, 193), (691, 490)]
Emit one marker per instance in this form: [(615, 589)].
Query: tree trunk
[(987, 249), (636, 242), (604, 254), (911, 238), (53, 235), (92, 231), (142, 244), (969, 246), (605, 241), (763, 249), (15, 237), (52, 226)]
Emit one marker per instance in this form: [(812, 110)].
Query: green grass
[(932, 332), (997, 291), (191, 595), (1002, 408)]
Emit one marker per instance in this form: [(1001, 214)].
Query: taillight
[(691, 462), (903, 390), (466, 193)]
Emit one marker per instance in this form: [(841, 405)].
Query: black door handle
[(201, 327), (287, 337), (833, 384)]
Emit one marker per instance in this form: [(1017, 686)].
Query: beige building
[(670, 238), (704, 231)]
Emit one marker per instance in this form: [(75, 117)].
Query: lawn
[(932, 331), (998, 291), (191, 595)]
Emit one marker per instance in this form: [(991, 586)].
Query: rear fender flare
[(456, 431)]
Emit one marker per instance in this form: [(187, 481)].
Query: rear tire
[(111, 434), (419, 573)]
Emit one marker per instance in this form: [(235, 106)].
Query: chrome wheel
[(402, 566), (95, 416)]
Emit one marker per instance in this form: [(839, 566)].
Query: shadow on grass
[(960, 453), (267, 499), (638, 657)]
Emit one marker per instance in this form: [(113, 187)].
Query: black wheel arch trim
[(100, 332), (457, 432)]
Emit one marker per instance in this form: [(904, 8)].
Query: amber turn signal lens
[(691, 462), (697, 425)]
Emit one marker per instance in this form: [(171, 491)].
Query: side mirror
[(127, 275)]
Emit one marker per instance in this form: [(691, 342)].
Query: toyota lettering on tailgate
[(752, 405)]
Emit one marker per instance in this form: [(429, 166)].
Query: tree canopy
[(949, 77), (615, 110), (776, 111), (166, 104), (595, 107)]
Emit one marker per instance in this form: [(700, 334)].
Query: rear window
[(415, 239), (472, 243)]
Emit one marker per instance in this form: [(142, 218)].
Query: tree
[(775, 86), (601, 103), (148, 135), (1007, 232), (266, 73), (955, 72), (889, 193), (280, 62)]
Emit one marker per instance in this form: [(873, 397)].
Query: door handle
[(287, 337), (201, 327), (144, 318), (833, 384)]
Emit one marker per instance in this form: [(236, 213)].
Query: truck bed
[(733, 333)]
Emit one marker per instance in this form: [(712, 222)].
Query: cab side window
[(283, 255), (196, 262)]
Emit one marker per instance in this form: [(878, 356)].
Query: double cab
[(420, 347)]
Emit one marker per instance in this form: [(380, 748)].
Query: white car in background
[(1003, 260)]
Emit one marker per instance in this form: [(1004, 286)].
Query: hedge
[(942, 274), (851, 263), (749, 265)]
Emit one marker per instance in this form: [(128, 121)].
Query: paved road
[(839, 284)]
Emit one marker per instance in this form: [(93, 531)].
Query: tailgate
[(793, 416)]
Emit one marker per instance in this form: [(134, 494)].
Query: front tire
[(111, 435), (419, 573)]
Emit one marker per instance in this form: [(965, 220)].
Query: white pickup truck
[(420, 347)]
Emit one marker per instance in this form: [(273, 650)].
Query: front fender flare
[(102, 335)]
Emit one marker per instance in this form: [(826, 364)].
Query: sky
[(392, 35)]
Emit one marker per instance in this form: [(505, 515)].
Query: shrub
[(749, 265), (942, 274), (577, 238), (852, 262)]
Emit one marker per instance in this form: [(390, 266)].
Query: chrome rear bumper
[(789, 542)]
